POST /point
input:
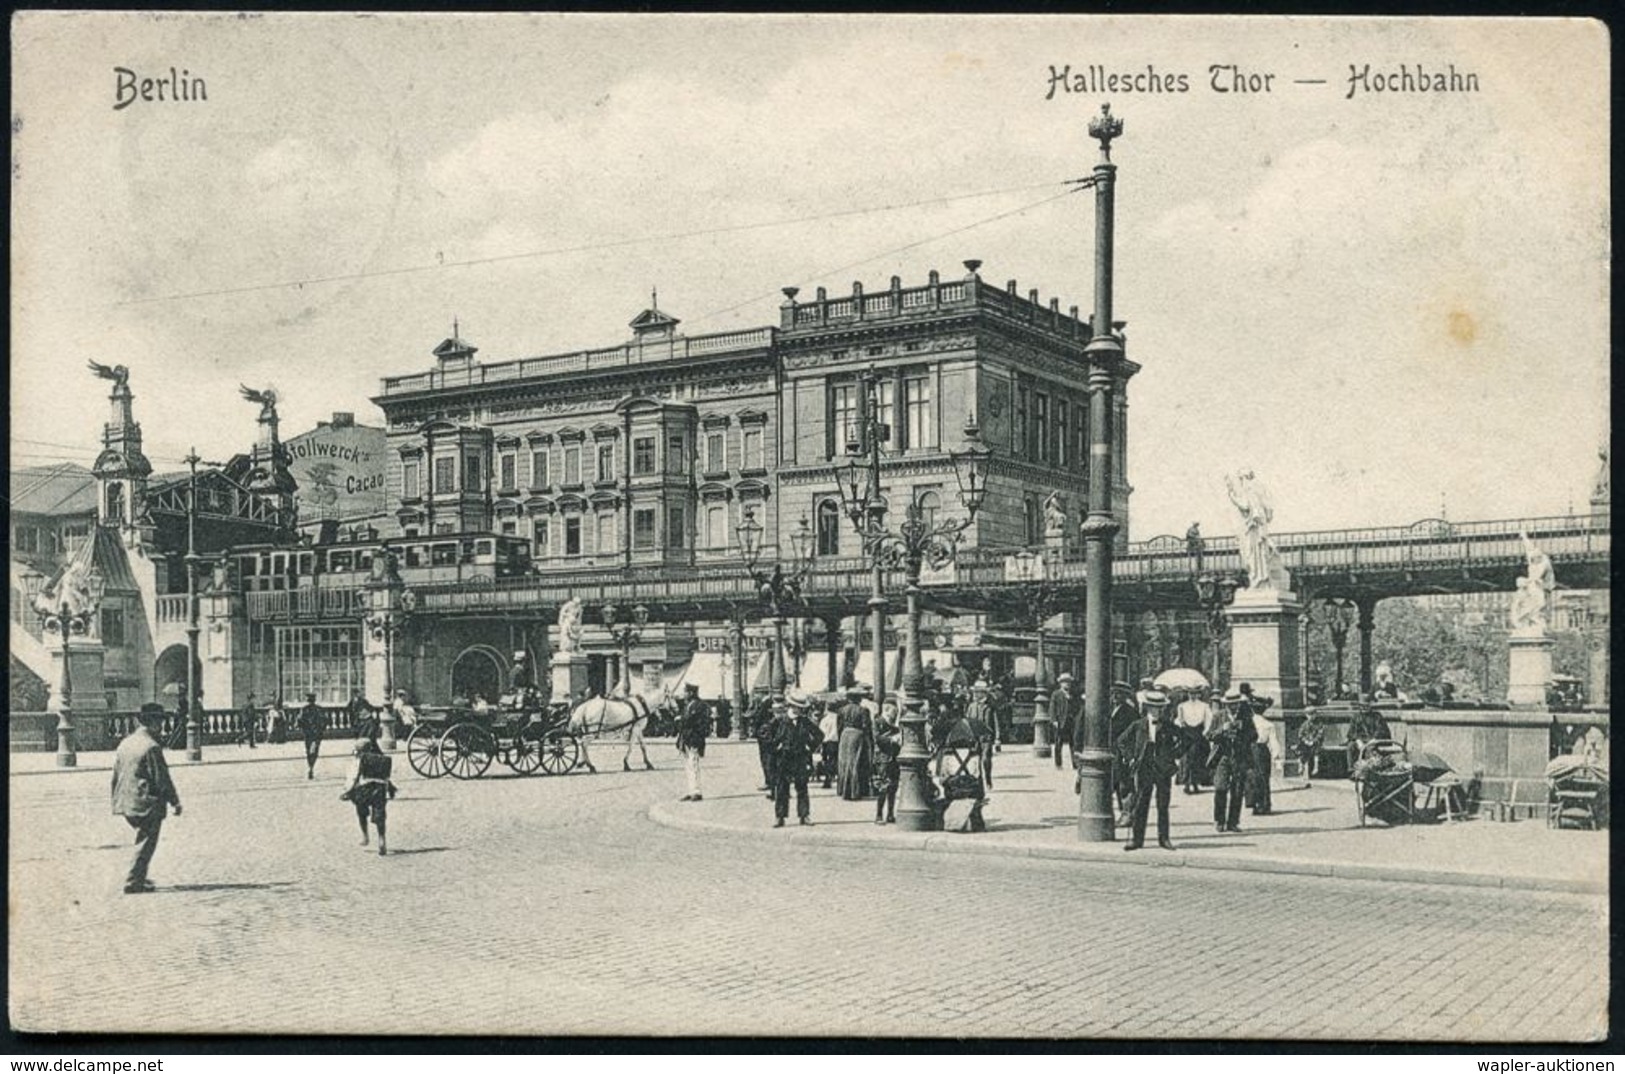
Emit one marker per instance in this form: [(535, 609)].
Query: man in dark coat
[(312, 724), (691, 735), (1065, 712), (761, 725), (143, 793), (1233, 737), (1123, 716), (794, 737), (250, 716), (1152, 746)]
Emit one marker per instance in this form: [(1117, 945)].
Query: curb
[(937, 842), (177, 762)]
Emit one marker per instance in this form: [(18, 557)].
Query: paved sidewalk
[(1314, 830)]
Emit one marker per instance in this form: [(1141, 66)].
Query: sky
[(1389, 305)]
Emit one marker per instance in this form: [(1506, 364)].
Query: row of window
[(913, 427), (600, 461), (1052, 428)]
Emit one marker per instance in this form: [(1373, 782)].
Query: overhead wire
[(442, 263)]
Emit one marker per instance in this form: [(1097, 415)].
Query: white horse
[(612, 715)]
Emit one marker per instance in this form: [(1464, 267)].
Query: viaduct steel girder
[(1431, 557)]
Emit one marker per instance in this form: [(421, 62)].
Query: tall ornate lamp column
[(386, 624), (68, 608), (776, 589), (626, 633), (1096, 822)]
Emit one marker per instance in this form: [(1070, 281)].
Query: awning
[(815, 672), (708, 671)]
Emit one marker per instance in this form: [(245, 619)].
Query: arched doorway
[(478, 670), (169, 675)]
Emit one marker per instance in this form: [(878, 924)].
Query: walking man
[(794, 736), (1153, 746), (312, 724), (980, 711), (250, 719), (1233, 737), (691, 734), (143, 793)]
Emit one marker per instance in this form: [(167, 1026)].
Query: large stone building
[(649, 453)]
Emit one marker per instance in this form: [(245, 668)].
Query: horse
[(611, 715)]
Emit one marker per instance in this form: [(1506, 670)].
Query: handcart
[(1385, 783)]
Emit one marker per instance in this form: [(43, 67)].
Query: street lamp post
[(194, 718), (918, 541), (1042, 600), (1342, 618), (1213, 593), (626, 633), (776, 589), (68, 609)]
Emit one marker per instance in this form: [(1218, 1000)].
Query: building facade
[(650, 453)]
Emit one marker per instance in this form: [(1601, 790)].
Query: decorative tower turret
[(122, 468), (268, 475)]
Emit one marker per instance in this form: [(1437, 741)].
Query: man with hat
[(1123, 716), (1233, 737), (1066, 710), (980, 711), (143, 793), (1152, 746), (691, 734), (312, 724), (794, 736), (1146, 686)]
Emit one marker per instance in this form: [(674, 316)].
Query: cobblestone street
[(555, 906)]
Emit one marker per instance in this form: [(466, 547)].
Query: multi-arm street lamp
[(918, 541), (387, 625), (626, 633), (69, 608), (1341, 619), (1213, 593), (865, 506), (776, 589)]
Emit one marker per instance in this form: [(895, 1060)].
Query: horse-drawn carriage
[(526, 736), (524, 733)]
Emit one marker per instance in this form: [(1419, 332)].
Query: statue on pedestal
[(1258, 552), (1529, 603), (1054, 516), (570, 626)]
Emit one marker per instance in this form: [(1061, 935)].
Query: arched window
[(1029, 516), (929, 503), (828, 529), (115, 501)]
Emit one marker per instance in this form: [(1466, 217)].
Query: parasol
[(1427, 767), (1181, 679)]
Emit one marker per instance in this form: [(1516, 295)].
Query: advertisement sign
[(341, 472)]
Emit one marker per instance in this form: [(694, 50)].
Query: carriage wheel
[(527, 753), (423, 751), (560, 752), (467, 750)]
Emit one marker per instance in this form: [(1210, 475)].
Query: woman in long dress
[(853, 779)]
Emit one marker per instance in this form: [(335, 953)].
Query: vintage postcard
[(1054, 528)]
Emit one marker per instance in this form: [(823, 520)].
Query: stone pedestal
[(1530, 669), (569, 676), (1264, 644), (1264, 652), (87, 666)]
